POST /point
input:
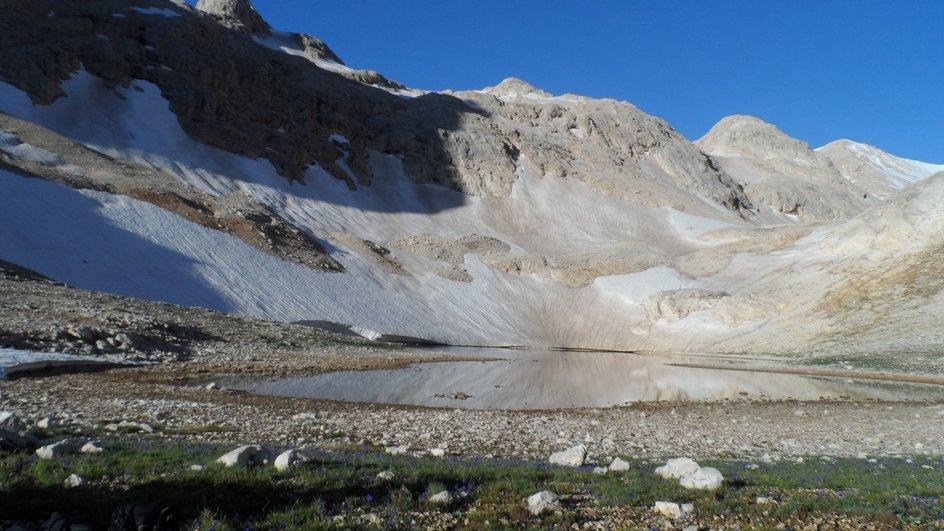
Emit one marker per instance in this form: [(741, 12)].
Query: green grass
[(343, 484)]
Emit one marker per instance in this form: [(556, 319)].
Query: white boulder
[(59, 449), (247, 455), (289, 459), (543, 501), (74, 481), (386, 475), (441, 498), (705, 478), (397, 450), (676, 468), (573, 456), (91, 447), (673, 510), (618, 465)]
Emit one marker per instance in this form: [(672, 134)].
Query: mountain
[(199, 157), (779, 172), (879, 173)]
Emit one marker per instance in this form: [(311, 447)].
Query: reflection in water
[(547, 379)]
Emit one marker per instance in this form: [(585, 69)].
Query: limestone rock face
[(237, 14), (878, 172), (780, 172)]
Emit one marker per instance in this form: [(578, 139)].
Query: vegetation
[(339, 489)]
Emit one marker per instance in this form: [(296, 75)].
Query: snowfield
[(116, 244)]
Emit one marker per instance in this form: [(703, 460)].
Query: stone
[(59, 449), (668, 509), (543, 501), (210, 386), (197, 468), (705, 478), (573, 456), (397, 450), (74, 481), (289, 459), (91, 447), (618, 465), (437, 452), (45, 423), (237, 14), (600, 470), (81, 332), (244, 456), (441, 498), (13, 433), (130, 426), (676, 468), (386, 475), (9, 421), (762, 500)]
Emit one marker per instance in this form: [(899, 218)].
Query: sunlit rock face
[(781, 173), (199, 157)]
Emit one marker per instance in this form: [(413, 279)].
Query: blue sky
[(872, 71)]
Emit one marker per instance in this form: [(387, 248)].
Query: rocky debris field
[(181, 400), (131, 478)]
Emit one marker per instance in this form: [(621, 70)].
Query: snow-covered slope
[(500, 216), (879, 173)]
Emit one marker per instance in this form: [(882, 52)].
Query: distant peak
[(237, 14), (741, 133), (513, 86), (743, 121)]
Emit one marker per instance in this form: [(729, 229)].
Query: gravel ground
[(195, 345)]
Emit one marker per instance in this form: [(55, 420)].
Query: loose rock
[(705, 478), (289, 459), (248, 455), (676, 468), (573, 456), (441, 498), (543, 501), (618, 465), (59, 449)]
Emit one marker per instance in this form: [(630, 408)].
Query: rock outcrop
[(237, 14), (781, 172), (878, 172)]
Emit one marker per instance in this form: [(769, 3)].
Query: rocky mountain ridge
[(252, 172)]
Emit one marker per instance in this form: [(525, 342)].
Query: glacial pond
[(539, 379)]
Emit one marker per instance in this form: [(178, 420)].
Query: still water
[(527, 379)]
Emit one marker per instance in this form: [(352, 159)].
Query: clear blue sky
[(871, 71)]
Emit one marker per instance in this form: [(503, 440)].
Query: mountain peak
[(874, 169), (237, 14), (741, 133), (514, 87)]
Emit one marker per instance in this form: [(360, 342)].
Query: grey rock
[(540, 502), (573, 456), (246, 456)]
